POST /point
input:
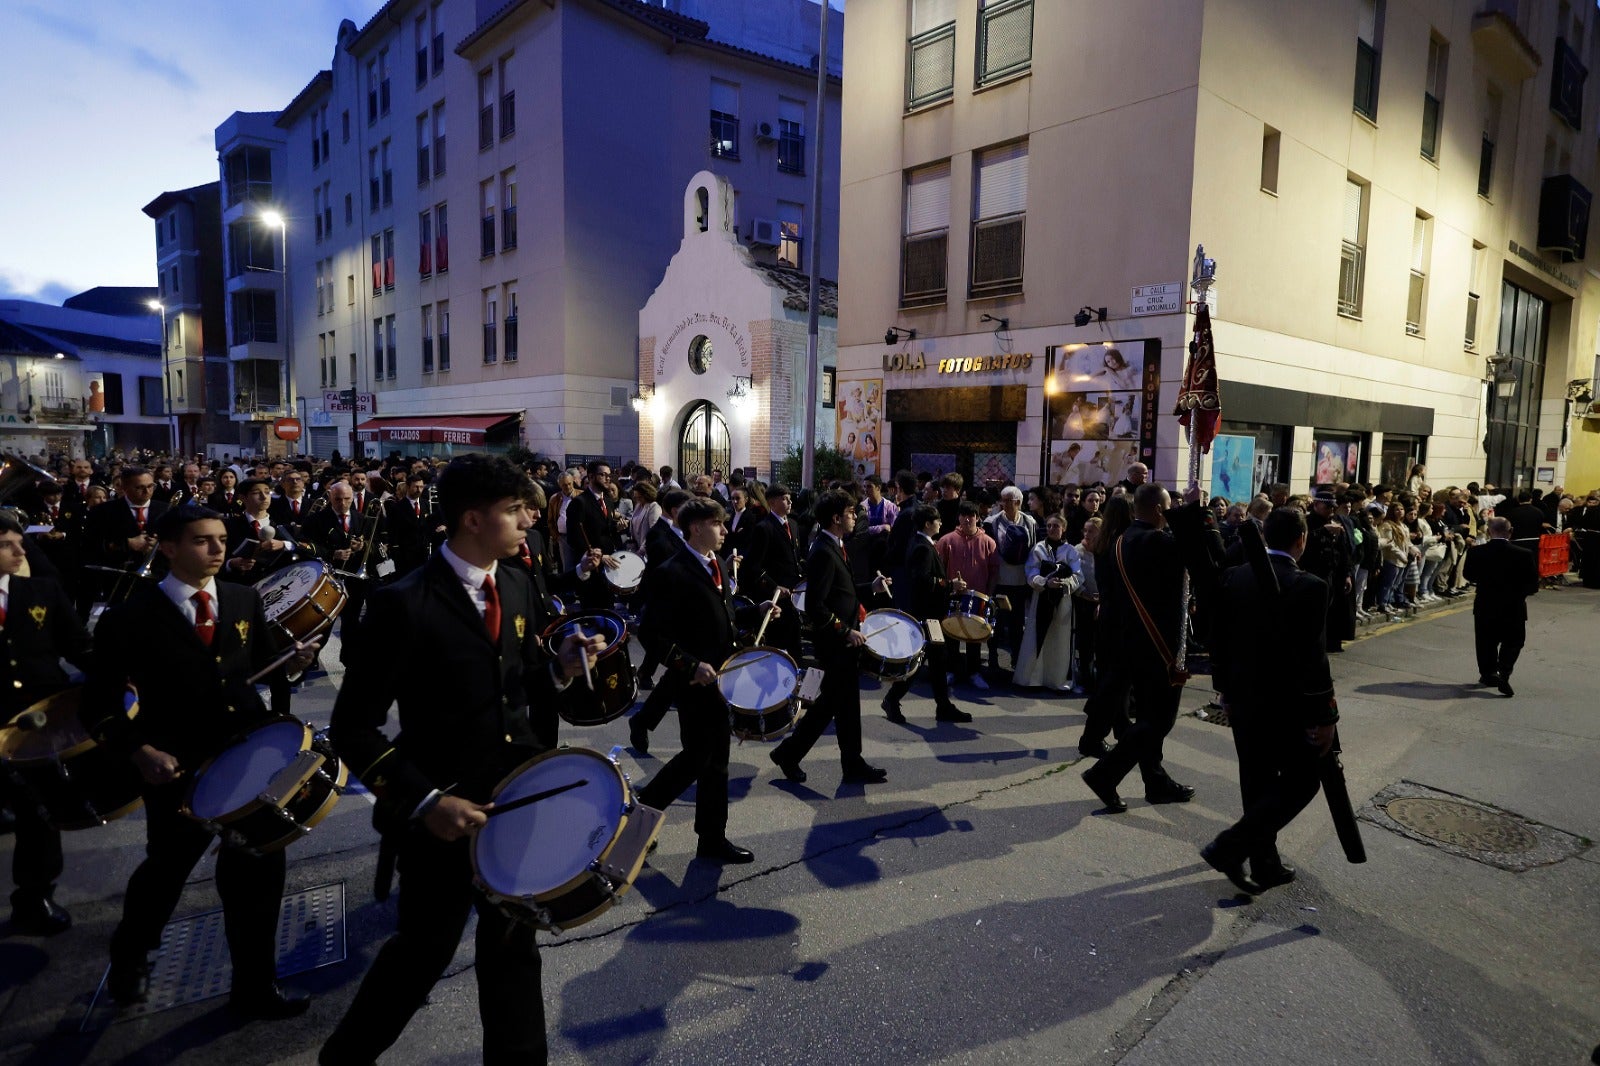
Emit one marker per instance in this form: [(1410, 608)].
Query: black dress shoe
[(38, 916), (1488, 680), (270, 1003), (791, 770), (723, 851), (1232, 869), (1505, 687), (129, 982), (1104, 790), (951, 713), (1272, 876), (1169, 791), (638, 736), (892, 712), (1094, 749), (865, 774)]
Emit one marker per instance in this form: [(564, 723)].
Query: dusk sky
[(112, 102)]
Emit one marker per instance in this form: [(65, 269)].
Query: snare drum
[(268, 788), (563, 861), (614, 683), (971, 618), (74, 782), (301, 601), (894, 644), (761, 687), (628, 573)]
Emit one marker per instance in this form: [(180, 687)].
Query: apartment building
[(191, 307), (480, 198), (1397, 193)]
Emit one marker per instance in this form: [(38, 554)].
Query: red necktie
[(604, 509), (716, 573), (204, 621), (294, 504), (344, 522), (358, 504), (491, 608), (141, 519), (525, 555), (787, 528), (257, 527), (227, 498), (2, 617), (416, 505)]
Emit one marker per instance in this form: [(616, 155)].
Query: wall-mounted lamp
[(641, 399), (1087, 314), (1002, 325), (1581, 391), (1497, 371), (741, 397), (895, 334)]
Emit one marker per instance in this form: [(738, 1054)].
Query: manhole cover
[(1469, 829), (1462, 825)]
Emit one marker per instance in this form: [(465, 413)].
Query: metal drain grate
[(193, 965), (1470, 829)]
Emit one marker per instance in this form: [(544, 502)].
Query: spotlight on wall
[(1001, 324), (640, 400), (741, 397), (1087, 314), (895, 334)]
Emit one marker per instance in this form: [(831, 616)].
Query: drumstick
[(763, 629), (274, 664), (535, 798), (748, 662), (588, 675)]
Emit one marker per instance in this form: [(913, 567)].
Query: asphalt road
[(976, 909)]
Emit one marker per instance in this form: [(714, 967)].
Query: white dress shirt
[(182, 595)]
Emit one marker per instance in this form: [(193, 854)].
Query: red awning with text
[(432, 429)]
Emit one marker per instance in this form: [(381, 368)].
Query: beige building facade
[(1396, 192)]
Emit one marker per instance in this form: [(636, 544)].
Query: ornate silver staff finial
[(1205, 270)]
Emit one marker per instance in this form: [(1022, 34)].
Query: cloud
[(17, 287), (62, 27), (164, 69)]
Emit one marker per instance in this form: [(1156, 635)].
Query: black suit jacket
[(463, 711), (283, 514), (698, 623), (108, 528), (589, 527), (1268, 649), (192, 699), (1505, 574), (833, 600), (218, 501), (408, 535), (1155, 567), (772, 557), (324, 532), (1527, 521), (41, 629), (921, 587)]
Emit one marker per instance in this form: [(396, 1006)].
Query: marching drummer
[(923, 591), (193, 697), (592, 535), (970, 554), (38, 628), (463, 727), (697, 636), (256, 544)]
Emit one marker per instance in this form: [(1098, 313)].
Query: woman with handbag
[(1053, 572)]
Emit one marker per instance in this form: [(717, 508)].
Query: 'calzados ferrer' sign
[(977, 364)]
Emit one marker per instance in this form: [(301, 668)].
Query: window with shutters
[(1474, 283), (438, 140), (377, 264), (510, 296), (1005, 39), (508, 209), (490, 337), (931, 52), (1369, 53), (1353, 252), (927, 236), (724, 119), (1433, 98), (790, 215), (1271, 145), (791, 136), (442, 316), (999, 211), (389, 345), (377, 349), (424, 150), (486, 214), (1417, 292), (388, 260), (485, 109), (425, 243), (427, 340)]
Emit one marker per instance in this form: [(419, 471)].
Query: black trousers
[(1083, 619), (661, 700), (703, 762), (436, 897), (1106, 710), (1155, 709), (965, 658), (350, 620), (784, 632), (838, 702), (933, 667), (36, 855), (1499, 641), (251, 888), (1278, 776)]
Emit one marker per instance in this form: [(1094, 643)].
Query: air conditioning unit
[(764, 132), (765, 233)]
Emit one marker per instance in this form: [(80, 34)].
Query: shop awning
[(433, 429)]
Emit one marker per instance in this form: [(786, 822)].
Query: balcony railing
[(508, 229), (486, 127), (923, 269), (486, 236), (508, 114), (997, 255), (931, 66), (1352, 265)]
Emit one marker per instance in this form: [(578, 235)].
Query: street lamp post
[(166, 373), (275, 218)]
